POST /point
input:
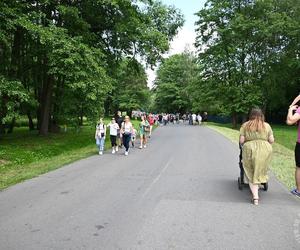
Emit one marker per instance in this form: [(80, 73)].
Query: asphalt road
[(179, 193)]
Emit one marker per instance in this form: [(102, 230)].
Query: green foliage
[(69, 57), (248, 51), (174, 76), (12, 96), (131, 92)]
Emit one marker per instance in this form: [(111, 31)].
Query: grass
[(283, 164), (24, 154)]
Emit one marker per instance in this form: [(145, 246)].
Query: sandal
[(255, 201)]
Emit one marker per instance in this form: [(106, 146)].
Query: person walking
[(133, 137), (256, 136), (293, 117), (151, 123), (126, 131), (194, 117), (199, 119), (119, 120), (144, 128), (100, 135), (113, 131)]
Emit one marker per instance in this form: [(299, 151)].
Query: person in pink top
[(293, 117), (151, 122)]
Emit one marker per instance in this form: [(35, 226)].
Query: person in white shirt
[(126, 131), (113, 131), (194, 117), (199, 118), (100, 135)]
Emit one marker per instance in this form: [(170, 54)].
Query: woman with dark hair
[(256, 136)]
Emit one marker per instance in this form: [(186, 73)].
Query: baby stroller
[(241, 178)]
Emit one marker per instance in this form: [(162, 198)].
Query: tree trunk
[(234, 120), (2, 129), (30, 122), (11, 126), (46, 105)]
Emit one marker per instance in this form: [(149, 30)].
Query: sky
[(186, 36)]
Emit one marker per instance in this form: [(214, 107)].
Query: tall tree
[(171, 86)]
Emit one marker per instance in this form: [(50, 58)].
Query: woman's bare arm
[(292, 118), (271, 139), (296, 100), (242, 139)]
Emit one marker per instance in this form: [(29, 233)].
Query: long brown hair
[(256, 121)]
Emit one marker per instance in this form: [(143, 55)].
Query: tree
[(241, 44), (65, 54), (171, 86)]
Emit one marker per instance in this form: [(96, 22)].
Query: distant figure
[(160, 119), (133, 137), (100, 135), (144, 129), (194, 117), (199, 119), (190, 119), (113, 130), (205, 117), (293, 117), (165, 119), (126, 131), (256, 136), (119, 120), (151, 123)]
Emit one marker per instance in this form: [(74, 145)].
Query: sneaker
[(145, 146), (117, 148), (113, 152), (295, 192), (126, 153), (100, 153), (140, 147)]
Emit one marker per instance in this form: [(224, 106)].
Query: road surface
[(179, 193)]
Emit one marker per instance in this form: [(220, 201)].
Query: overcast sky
[(186, 36)]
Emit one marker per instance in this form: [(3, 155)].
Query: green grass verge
[(24, 154), (283, 164)]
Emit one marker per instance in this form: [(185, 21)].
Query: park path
[(179, 193)]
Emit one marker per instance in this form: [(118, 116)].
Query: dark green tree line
[(249, 52), (174, 76), (61, 61)]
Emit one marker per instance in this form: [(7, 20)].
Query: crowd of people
[(123, 133)]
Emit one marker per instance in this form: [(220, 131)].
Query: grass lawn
[(283, 164), (24, 154)]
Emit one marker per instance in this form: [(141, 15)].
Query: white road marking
[(156, 179)]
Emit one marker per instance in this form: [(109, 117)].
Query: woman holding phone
[(293, 117)]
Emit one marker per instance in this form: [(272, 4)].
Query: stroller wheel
[(240, 184), (266, 186)]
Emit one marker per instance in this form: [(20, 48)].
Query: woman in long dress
[(256, 136)]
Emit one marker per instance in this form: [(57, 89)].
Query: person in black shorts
[(119, 119), (293, 117)]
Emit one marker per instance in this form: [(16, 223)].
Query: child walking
[(133, 137), (144, 128), (100, 135), (113, 131)]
